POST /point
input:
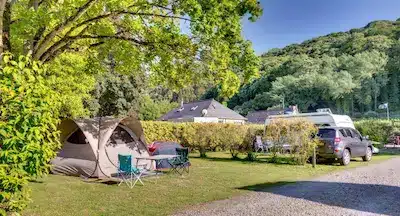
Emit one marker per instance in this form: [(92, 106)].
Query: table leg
[(157, 163), (137, 162)]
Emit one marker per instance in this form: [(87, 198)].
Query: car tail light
[(337, 140)]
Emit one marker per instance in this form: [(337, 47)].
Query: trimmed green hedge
[(204, 136), (377, 129)]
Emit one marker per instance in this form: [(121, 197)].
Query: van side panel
[(320, 119)]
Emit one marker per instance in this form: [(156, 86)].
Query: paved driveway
[(369, 190)]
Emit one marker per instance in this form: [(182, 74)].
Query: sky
[(286, 22)]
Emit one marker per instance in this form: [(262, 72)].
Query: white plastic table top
[(156, 157)]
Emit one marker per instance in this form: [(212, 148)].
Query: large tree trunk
[(2, 9), (5, 21), (6, 26)]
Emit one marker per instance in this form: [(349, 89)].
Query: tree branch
[(67, 41), (114, 13), (66, 47), (96, 44), (36, 38), (57, 45), (57, 52), (107, 37), (40, 47)]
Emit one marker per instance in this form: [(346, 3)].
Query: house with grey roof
[(204, 111), (258, 117)]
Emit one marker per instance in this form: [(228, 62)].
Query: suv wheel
[(345, 160), (368, 155)]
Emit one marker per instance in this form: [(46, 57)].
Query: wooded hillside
[(350, 72)]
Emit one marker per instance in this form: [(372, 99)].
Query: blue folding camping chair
[(128, 173)]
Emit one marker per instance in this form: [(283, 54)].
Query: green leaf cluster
[(29, 113), (174, 43)]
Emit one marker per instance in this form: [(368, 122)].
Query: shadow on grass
[(389, 151), (373, 198), (280, 160)]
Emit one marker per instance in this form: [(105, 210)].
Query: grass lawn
[(210, 179)]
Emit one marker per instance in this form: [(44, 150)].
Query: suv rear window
[(326, 133)]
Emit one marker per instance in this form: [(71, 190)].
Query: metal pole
[(283, 102), (387, 111), (314, 159)]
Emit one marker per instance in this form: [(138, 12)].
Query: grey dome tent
[(90, 147)]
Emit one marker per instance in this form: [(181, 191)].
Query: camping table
[(156, 158)]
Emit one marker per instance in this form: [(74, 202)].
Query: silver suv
[(343, 143)]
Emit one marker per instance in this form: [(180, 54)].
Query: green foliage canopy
[(349, 72), (165, 40), (29, 113)]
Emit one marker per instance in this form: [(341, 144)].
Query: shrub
[(377, 129), (162, 131), (297, 133), (371, 114), (276, 133), (204, 136), (28, 132), (235, 137), (252, 132)]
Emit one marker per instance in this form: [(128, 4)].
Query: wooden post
[(314, 158)]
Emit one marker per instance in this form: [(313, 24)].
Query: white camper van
[(323, 117)]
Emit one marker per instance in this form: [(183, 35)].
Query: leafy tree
[(368, 71), (143, 36), (115, 95), (150, 109), (73, 80), (393, 67), (349, 72)]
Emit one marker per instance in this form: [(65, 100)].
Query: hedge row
[(377, 129), (204, 136), (298, 133)]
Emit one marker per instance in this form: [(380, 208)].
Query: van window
[(326, 133), (343, 132), (356, 134)]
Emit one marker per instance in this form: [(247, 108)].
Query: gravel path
[(368, 190)]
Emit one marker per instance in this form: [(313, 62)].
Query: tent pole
[(98, 144)]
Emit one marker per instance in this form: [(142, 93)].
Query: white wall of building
[(205, 119), (217, 120)]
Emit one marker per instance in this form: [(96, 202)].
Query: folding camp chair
[(180, 163), (129, 174), (258, 145)]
